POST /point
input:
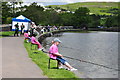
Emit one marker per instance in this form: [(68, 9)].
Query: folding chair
[(33, 46), (49, 63)]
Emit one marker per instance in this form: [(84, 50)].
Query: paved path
[(15, 60)]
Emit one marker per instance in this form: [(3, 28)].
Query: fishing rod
[(92, 63), (63, 46), (86, 61)]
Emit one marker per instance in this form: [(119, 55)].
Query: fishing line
[(75, 63), (89, 61), (92, 63), (64, 46)]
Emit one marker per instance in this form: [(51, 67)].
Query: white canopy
[(21, 19)]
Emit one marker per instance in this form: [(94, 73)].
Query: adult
[(22, 27), (32, 29), (16, 29), (42, 30), (48, 28), (54, 54)]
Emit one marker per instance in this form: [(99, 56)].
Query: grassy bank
[(94, 7), (7, 33), (41, 59)]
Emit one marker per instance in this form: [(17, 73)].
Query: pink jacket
[(33, 40), (53, 49), (26, 35)]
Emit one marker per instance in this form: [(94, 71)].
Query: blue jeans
[(59, 59)]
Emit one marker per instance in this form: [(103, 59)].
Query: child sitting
[(26, 35), (54, 54), (34, 41)]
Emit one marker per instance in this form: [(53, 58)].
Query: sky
[(62, 2)]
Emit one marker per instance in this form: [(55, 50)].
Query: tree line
[(41, 16)]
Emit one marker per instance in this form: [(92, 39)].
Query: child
[(26, 35), (34, 41), (54, 54)]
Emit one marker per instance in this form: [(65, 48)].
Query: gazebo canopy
[(21, 18)]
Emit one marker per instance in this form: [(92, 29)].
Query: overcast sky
[(62, 2)]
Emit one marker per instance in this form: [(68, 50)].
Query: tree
[(81, 17), (112, 21), (52, 17), (5, 11), (14, 8), (9, 10), (34, 12), (95, 21), (13, 4), (67, 19), (9, 20)]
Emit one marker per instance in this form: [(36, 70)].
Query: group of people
[(31, 30), (53, 51), (48, 28), (41, 29), (32, 39), (17, 29)]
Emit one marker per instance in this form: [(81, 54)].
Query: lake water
[(96, 47)]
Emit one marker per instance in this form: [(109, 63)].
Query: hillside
[(95, 7)]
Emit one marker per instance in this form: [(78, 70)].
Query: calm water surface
[(97, 47)]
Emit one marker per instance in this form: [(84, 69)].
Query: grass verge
[(7, 33), (41, 59), (100, 8)]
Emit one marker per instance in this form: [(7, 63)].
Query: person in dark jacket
[(16, 29), (22, 27)]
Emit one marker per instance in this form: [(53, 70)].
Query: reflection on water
[(99, 47)]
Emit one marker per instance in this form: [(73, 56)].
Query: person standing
[(22, 27), (16, 29), (42, 30), (32, 29), (48, 28)]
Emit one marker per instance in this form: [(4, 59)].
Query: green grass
[(94, 7), (41, 59), (7, 33)]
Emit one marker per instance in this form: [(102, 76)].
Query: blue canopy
[(21, 18)]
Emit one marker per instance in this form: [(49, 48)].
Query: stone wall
[(5, 28)]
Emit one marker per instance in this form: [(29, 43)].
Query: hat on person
[(57, 40)]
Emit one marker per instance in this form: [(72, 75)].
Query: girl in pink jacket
[(54, 54), (34, 41), (26, 35)]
